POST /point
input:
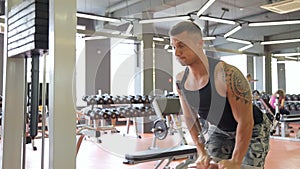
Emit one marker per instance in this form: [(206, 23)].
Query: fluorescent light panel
[(286, 54), (239, 41), (245, 47), (97, 17), (209, 38), (232, 31), (164, 19), (213, 19), (81, 27), (205, 6), (279, 41), (158, 39), (275, 23)]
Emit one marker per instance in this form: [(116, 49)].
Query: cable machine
[(27, 37)]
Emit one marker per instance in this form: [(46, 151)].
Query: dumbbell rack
[(103, 107)]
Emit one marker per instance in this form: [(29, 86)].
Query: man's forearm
[(243, 137)]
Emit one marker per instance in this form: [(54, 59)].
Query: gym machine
[(163, 107), (166, 107), (28, 27)]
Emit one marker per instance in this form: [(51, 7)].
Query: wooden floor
[(110, 153)]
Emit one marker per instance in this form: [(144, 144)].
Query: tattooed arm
[(239, 96)]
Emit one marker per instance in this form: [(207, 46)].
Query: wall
[(97, 66)]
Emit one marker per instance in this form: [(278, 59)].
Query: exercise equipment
[(166, 107), (160, 155), (27, 36), (160, 129)]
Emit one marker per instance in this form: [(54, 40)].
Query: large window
[(239, 61), (292, 70), (124, 63)]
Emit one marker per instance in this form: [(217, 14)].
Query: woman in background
[(281, 100)]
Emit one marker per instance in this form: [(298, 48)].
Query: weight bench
[(285, 119), (159, 155)]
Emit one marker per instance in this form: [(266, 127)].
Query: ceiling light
[(170, 50), (205, 6), (213, 19), (81, 27), (158, 39), (282, 6), (209, 38), (274, 23), (239, 41), (245, 47), (232, 31), (286, 54), (167, 46), (279, 41), (98, 17), (165, 19)]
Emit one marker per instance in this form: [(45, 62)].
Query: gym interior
[(90, 84)]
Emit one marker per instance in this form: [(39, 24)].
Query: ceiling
[(243, 11)]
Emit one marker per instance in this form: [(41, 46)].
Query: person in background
[(281, 101), (219, 93), (249, 78)]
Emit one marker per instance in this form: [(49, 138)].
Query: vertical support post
[(268, 68), (250, 69), (13, 107), (281, 76), (62, 57)]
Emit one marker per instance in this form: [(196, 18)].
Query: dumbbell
[(116, 100), (147, 99), (92, 99), (124, 100), (142, 111), (292, 106), (104, 113), (108, 99), (89, 99), (135, 112), (297, 106), (151, 111), (288, 97), (95, 114), (100, 99), (84, 97), (128, 112), (138, 99), (113, 113), (121, 112), (294, 97), (87, 112)]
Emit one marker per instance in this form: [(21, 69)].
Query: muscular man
[(219, 94)]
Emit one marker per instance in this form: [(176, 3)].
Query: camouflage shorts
[(220, 144)]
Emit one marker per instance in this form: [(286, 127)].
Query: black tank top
[(208, 103)]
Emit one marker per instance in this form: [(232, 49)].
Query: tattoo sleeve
[(237, 83)]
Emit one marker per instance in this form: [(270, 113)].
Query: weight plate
[(160, 129)]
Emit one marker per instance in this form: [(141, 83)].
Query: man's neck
[(199, 69)]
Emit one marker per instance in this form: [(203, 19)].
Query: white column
[(62, 56), (13, 106)]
